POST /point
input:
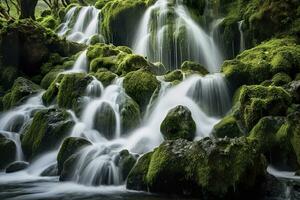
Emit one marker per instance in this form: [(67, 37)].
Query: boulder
[(7, 151), (16, 166), (227, 127)]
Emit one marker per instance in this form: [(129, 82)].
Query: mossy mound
[(105, 76), (8, 151), (140, 85), (67, 89), (263, 62), (178, 124), (118, 60), (223, 168), (70, 146), (175, 75), (258, 101), (26, 44), (191, 67), (20, 92), (125, 162), (227, 127), (46, 131)]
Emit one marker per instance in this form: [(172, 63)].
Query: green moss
[(101, 3), (173, 76), (193, 66), (50, 78), (281, 79), (229, 168), (105, 77), (263, 62), (49, 96), (96, 39), (140, 85), (259, 101), (21, 91), (131, 62), (49, 22), (46, 131), (178, 124), (228, 126), (71, 88), (70, 146)]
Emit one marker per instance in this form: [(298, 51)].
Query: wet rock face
[(7, 151), (16, 166), (206, 168), (46, 131), (178, 124)]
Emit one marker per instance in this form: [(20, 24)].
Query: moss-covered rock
[(294, 89), (126, 161), (140, 85), (188, 66), (8, 151), (25, 44), (70, 146), (105, 76), (263, 62), (46, 131), (49, 96), (132, 62), (259, 101), (281, 79), (49, 22), (223, 168), (227, 127), (178, 124), (20, 92), (175, 75)]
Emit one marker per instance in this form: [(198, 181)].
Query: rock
[(26, 45), (294, 89), (130, 114), (281, 79), (20, 92), (46, 131), (70, 146), (263, 62), (16, 166), (206, 168), (227, 127), (258, 101), (178, 124), (105, 77), (7, 151), (96, 39), (132, 62), (140, 85), (126, 161), (175, 75), (193, 66), (50, 171)]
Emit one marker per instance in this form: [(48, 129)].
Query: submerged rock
[(223, 168), (46, 131), (178, 124), (16, 166), (70, 146), (7, 151)]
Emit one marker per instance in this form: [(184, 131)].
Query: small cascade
[(80, 24), (168, 34), (94, 89), (81, 64), (242, 38), (14, 121)]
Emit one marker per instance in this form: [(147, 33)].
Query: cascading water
[(167, 33), (13, 122), (242, 38), (80, 24)]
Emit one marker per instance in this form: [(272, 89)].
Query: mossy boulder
[(281, 79), (8, 151), (105, 76), (26, 45), (189, 66), (178, 124), (48, 128), (70, 146), (175, 75), (125, 162), (132, 62), (49, 96), (140, 85), (258, 101), (22, 89), (49, 22), (262, 62), (222, 168), (227, 127), (130, 114)]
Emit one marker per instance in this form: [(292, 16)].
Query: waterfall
[(80, 24), (14, 121), (173, 43), (81, 63), (242, 38)]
